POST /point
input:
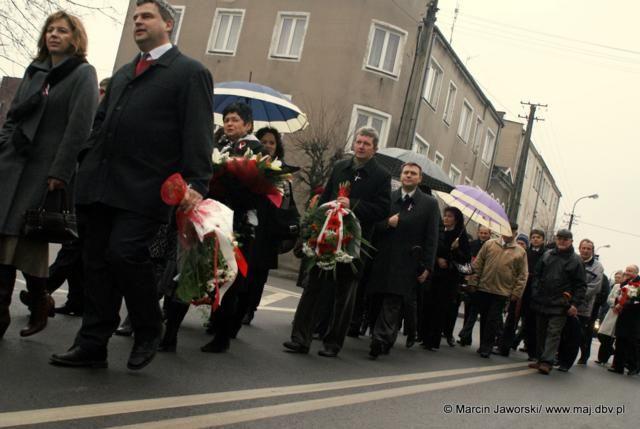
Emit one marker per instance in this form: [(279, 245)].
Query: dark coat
[(628, 323), (370, 193), (58, 130), (533, 257), (394, 269), (147, 128), (555, 273), (475, 246), (448, 280)]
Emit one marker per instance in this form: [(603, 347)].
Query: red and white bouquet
[(628, 294), (208, 257), (256, 173), (331, 234)]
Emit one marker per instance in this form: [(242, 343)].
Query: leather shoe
[(354, 333), (68, 310), (411, 341), (77, 357), (143, 352), (217, 345), (451, 342), (615, 370), (633, 372), (124, 331), (293, 347), (375, 350), (544, 368), (563, 368), (168, 345), (40, 313), (246, 320), (534, 365), (331, 353), (485, 355), (463, 343)]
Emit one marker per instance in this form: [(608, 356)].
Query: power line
[(412, 17), (627, 233), (552, 35)]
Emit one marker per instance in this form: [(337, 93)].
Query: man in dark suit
[(155, 120), (369, 201), (406, 243)]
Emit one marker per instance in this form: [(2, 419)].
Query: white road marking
[(280, 290), (74, 412), (270, 411), (278, 309), (274, 297)]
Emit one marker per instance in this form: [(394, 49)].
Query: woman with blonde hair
[(47, 126)]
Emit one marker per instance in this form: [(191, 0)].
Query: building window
[(489, 145), (451, 101), (420, 146), (439, 159), (466, 116), (385, 48), (225, 32), (433, 84), (477, 139), (454, 174), (177, 24), (288, 35), (367, 117), (536, 179)]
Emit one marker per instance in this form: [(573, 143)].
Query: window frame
[(450, 107), (177, 26), (210, 49), (437, 155), (438, 89), (488, 161), (422, 141), (467, 131), (384, 134), (455, 169), (395, 74), (277, 33)]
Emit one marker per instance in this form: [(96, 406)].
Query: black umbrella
[(433, 176)]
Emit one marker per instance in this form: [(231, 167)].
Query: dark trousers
[(117, 264), (434, 308), (256, 288), (626, 354), (587, 324), (68, 267), (549, 330), (570, 341), (510, 326), (450, 317), (387, 322), (321, 287), (529, 329), (410, 314), (470, 318), (490, 308), (605, 351)]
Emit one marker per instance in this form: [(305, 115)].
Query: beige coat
[(501, 270)]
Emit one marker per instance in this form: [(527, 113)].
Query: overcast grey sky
[(581, 57)]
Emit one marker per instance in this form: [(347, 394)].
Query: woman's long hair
[(79, 40), (459, 218)]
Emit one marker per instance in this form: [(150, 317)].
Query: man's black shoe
[(143, 352), (79, 358), (582, 361), (633, 372), (485, 355), (293, 347), (463, 343), (328, 353), (563, 368), (411, 341), (353, 333), (451, 342), (615, 370), (219, 344), (68, 310), (124, 331), (376, 349)]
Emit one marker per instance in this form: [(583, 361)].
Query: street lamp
[(592, 196), (606, 246)]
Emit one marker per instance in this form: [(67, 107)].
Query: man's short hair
[(368, 132), (167, 12), (536, 231), (242, 109), (410, 164), (586, 240), (514, 226), (104, 83)]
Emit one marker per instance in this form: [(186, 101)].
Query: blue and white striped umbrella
[(270, 108)]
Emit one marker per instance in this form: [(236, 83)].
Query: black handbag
[(51, 226)]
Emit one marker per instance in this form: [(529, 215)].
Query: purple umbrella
[(478, 206)]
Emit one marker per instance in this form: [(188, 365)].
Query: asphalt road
[(257, 385)]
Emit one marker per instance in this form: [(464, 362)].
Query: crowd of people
[(107, 150)]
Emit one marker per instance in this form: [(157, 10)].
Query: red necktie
[(143, 64)]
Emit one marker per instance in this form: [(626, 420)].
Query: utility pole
[(514, 205), (411, 108)]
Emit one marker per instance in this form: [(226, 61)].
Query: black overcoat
[(394, 269), (147, 128), (628, 323)]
